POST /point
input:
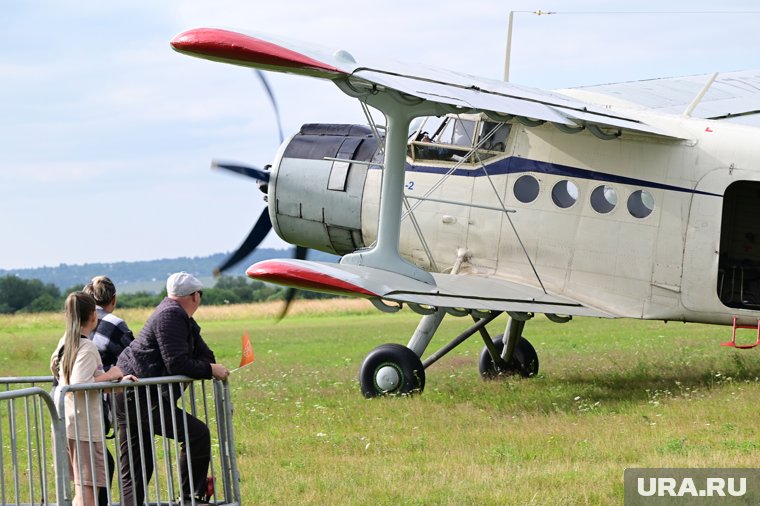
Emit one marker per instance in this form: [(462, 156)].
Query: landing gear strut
[(524, 360), (509, 353)]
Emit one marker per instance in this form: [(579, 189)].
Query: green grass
[(609, 395)]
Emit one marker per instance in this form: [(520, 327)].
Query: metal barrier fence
[(34, 460)]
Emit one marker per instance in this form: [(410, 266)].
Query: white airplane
[(478, 197)]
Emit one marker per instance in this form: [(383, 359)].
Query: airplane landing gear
[(397, 369), (391, 369), (524, 360), (509, 353)]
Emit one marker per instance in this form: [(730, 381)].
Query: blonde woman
[(76, 360)]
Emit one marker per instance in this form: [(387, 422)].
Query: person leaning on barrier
[(76, 360), (169, 344), (112, 334)]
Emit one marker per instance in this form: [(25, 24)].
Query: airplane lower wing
[(455, 291)]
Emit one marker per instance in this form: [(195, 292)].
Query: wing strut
[(415, 223), (399, 111), (694, 103)]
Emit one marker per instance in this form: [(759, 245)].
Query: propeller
[(265, 82), (261, 176), (255, 173), (263, 224), (255, 236)]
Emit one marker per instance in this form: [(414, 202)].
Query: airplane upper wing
[(455, 291), (734, 96), (428, 83)]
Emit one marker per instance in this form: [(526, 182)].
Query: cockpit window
[(429, 127), (496, 141), (457, 132), (450, 139)]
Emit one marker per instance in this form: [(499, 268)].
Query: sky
[(107, 134)]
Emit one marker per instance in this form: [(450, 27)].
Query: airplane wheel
[(524, 360), (391, 369)]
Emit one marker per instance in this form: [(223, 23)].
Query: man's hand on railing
[(219, 372)]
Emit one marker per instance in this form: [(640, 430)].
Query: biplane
[(479, 197)]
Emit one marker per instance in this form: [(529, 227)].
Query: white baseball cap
[(180, 284)]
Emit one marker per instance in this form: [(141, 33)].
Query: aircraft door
[(738, 283), (720, 256)]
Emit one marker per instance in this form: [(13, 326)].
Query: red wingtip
[(217, 44), (298, 276)]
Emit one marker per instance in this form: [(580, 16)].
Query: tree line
[(146, 271), (19, 295)]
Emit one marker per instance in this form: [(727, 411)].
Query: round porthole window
[(526, 189), (565, 194), (603, 199), (640, 204)]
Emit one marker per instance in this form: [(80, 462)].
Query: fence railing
[(38, 432), (27, 461)]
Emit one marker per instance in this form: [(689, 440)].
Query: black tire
[(391, 359), (524, 360)]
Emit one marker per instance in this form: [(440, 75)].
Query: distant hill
[(149, 275)]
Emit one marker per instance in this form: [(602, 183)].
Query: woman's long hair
[(79, 309)]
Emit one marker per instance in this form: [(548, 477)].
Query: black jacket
[(169, 344)]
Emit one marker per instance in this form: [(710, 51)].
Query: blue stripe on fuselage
[(516, 165)]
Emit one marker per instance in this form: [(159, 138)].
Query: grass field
[(610, 395)]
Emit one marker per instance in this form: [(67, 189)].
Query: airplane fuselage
[(634, 225)]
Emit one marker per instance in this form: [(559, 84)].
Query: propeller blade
[(299, 254), (258, 232), (268, 88), (258, 174)]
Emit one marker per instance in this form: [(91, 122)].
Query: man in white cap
[(169, 344)]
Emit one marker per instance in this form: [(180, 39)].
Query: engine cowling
[(316, 187)]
